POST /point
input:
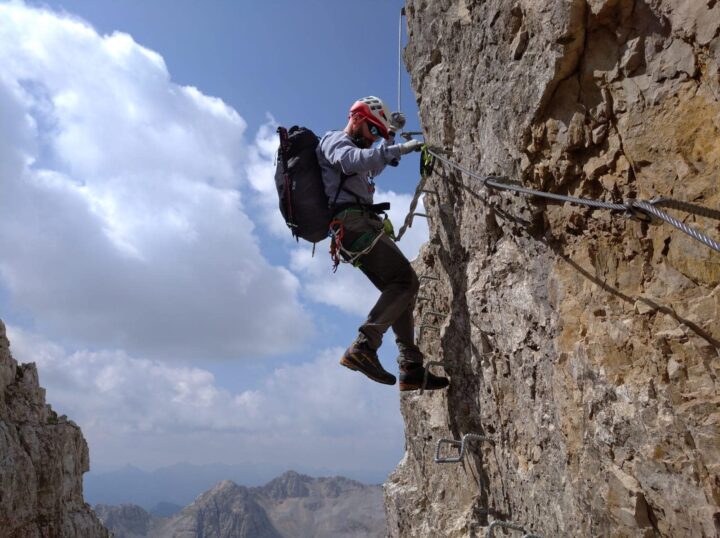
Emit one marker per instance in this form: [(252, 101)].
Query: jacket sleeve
[(353, 160)]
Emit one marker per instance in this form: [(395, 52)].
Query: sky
[(144, 265)]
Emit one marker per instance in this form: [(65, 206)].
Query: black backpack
[(303, 202)]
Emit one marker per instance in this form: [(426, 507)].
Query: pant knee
[(414, 282)]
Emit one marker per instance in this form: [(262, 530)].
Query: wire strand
[(630, 207)]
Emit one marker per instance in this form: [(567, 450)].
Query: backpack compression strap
[(284, 147)]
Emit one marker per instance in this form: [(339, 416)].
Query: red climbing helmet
[(373, 110)]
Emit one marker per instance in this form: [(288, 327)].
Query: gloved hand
[(409, 147), (397, 120)]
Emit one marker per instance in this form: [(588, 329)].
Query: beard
[(359, 140)]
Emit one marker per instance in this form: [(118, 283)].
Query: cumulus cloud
[(171, 410), (121, 219)]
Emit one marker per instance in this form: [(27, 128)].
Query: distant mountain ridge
[(181, 483), (292, 505)]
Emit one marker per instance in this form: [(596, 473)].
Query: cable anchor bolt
[(460, 445), (637, 213)]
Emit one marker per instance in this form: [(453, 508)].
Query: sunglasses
[(374, 130)]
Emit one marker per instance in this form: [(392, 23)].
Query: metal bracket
[(458, 444), (508, 525), (425, 374), (635, 212)]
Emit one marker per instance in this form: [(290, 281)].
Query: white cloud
[(309, 413), (414, 236), (121, 222)]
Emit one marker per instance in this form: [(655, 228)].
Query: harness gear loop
[(339, 254), (336, 232)]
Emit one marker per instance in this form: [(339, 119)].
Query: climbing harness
[(639, 209), (460, 445), (339, 254), (363, 244)]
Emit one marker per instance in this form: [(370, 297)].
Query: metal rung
[(425, 374), (428, 277), (428, 191), (424, 325), (508, 525), (422, 215), (459, 444), (423, 298)]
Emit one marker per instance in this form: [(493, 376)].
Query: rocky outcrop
[(126, 520), (227, 510), (292, 505), (585, 344), (299, 506), (42, 460)]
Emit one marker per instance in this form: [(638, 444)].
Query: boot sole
[(405, 387), (349, 365)]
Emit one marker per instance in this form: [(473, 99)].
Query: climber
[(350, 160)]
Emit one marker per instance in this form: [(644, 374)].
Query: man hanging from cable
[(350, 160)]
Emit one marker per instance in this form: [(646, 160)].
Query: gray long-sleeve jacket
[(337, 154)]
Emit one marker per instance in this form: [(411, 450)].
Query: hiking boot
[(361, 358), (411, 378)]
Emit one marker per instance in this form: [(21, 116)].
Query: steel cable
[(649, 207), (687, 207), (630, 207)]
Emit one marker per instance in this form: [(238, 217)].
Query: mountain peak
[(225, 486), (289, 485)]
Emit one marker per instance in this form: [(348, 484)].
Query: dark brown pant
[(391, 273)]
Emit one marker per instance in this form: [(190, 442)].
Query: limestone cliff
[(585, 343), (42, 460)]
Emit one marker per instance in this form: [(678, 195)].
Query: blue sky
[(145, 267)]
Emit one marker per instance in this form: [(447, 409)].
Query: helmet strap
[(361, 142)]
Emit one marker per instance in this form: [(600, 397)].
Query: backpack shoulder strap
[(343, 179)]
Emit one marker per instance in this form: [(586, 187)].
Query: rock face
[(300, 506), (224, 511), (42, 460), (585, 344), (125, 521), (291, 506)]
